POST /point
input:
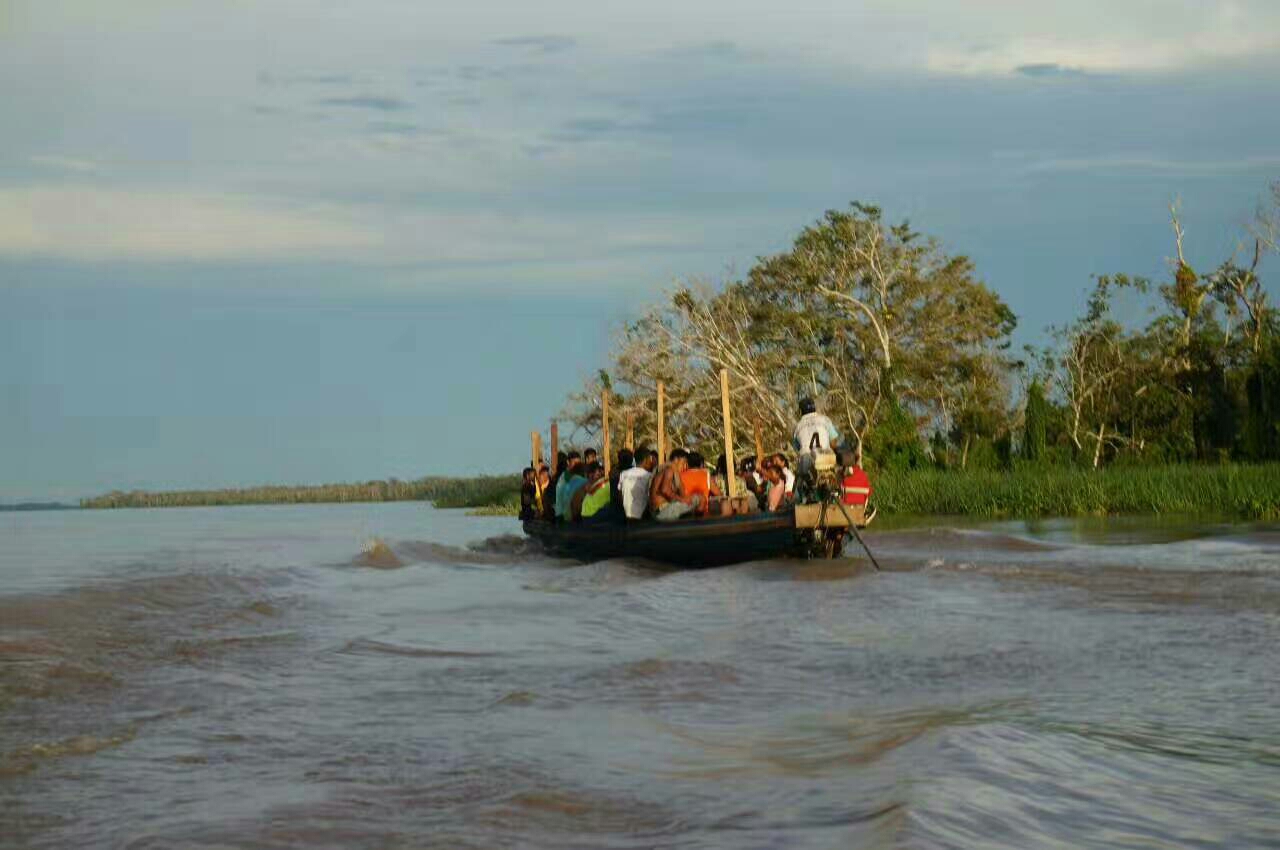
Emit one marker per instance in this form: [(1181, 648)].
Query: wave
[(377, 554), (365, 646), (496, 551), (83, 641), (810, 747), (26, 759), (1187, 549), (503, 550)]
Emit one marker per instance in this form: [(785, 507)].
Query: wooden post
[(662, 425), (759, 444), (607, 446), (536, 451), (555, 447), (731, 480), (631, 431)]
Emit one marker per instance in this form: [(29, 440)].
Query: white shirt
[(811, 425), (788, 480), (633, 484)]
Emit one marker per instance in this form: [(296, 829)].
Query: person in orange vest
[(697, 480), (855, 487)]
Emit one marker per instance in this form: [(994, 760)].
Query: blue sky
[(312, 241)]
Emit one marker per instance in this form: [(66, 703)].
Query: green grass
[(1240, 491)]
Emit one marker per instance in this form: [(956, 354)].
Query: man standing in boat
[(814, 433)]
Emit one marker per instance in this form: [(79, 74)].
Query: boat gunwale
[(642, 530)]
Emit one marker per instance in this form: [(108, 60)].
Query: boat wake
[(503, 550)]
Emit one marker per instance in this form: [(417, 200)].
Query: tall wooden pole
[(731, 480), (662, 425), (536, 450), (604, 404), (759, 444), (555, 447), (631, 431)]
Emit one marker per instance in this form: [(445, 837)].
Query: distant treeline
[(445, 492), (37, 506)]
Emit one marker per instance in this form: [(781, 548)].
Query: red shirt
[(855, 489)]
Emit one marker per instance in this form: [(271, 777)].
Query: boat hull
[(686, 543)]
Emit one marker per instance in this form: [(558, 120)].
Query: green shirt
[(595, 499)]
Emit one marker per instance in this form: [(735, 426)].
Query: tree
[(1035, 424), (872, 310), (1100, 375)]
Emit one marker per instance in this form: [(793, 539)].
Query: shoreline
[(1240, 492)]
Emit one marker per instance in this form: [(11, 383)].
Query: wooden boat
[(807, 530), (803, 531)]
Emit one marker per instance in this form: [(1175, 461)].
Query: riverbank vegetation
[(444, 492), (904, 346), (1230, 491), (910, 352), (1238, 491)]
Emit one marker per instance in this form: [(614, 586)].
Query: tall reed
[(1241, 491)]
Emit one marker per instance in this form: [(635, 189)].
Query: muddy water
[(272, 677)]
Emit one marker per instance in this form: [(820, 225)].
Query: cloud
[(543, 43), (710, 50), (65, 163), (92, 223), (367, 101), (1049, 69), (585, 129), (400, 128), (268, 78), (1153, 164)]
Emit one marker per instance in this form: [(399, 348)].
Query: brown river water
[(267, 677)]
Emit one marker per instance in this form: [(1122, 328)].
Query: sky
[(285, 241)]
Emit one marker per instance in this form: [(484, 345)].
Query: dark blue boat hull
[(687, 543)]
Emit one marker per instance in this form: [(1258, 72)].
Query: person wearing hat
[(814, 433), (814, 430)]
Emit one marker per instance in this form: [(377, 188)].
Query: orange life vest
[(697, 481), (855, 489)]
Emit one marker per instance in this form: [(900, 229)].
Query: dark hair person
[(626, 460), (528, 494)]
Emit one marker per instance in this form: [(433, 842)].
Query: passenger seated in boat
[(569, 483), (750, 474), (625, 461), (667, 500), (776, 498), (528, 495), (589, 456), (549, 492), (634, 484), (789, 478), (696, 481), (743, 503), (591, 501), (752, 489)]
